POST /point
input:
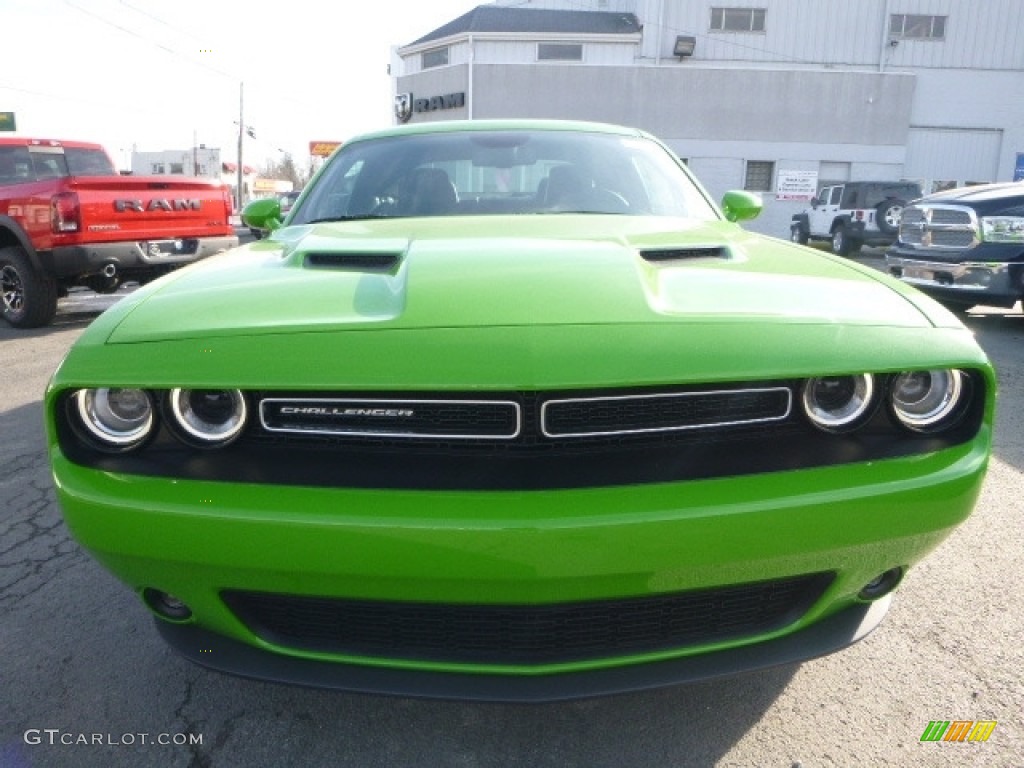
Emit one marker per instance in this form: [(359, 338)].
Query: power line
[(145, 38)]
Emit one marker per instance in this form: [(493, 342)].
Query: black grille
[(526, 634), (580, 417), (535, 417), (405, 418)]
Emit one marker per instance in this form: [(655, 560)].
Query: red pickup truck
[(67, 218)]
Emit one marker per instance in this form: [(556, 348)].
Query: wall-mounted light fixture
[(684, 46)]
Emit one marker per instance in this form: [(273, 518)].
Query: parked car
[(512, 410), (854, 214), (964, 246), (288, 200)]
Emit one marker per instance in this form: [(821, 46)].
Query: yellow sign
[(323, 148)]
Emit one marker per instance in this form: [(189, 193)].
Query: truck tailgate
[(149, 208)]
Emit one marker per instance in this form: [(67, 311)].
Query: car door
[(819, 218)]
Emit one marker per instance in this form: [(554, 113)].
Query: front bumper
[(227, 655), (998, 284), (198, 540)]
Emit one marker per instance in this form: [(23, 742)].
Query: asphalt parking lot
[(86, 681)]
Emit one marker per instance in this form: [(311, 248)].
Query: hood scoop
[(365, 261), (685, 253)]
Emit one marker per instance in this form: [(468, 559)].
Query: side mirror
[(815, 202), (264, 213), (740, 205)]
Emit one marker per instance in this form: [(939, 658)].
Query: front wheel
[(798, 234), (29, 298), (842, 243)]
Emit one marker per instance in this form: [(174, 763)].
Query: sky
[(158, 75)]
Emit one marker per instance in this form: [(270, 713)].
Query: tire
[(888, 214), (29, 300), (842, 243), (798, 234)]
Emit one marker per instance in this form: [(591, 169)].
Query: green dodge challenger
[(512, 410)]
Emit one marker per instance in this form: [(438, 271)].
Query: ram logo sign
[(406, 105), (157, 204)]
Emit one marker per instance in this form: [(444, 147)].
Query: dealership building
[(776, 96)]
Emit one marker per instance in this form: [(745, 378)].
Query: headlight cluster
[(1002, 229), (118, 420), (921, 401)]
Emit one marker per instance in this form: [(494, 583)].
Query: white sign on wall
[(796, 185)]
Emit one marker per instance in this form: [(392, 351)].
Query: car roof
[(459, 126), (22, 141)]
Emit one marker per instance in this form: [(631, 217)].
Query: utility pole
[(241, 133)]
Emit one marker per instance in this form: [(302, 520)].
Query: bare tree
[(285, 170)]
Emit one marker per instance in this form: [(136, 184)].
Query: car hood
[(458, 273), (978, 193), (502, 304)]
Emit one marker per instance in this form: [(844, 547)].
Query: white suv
[(854, 214)]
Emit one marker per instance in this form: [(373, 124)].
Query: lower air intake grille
[(526, 634)]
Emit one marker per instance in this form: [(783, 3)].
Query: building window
[(911, 27), (559, 52), (759, 175), (435, 58), (737, 19), (158, 167), (178, 168)]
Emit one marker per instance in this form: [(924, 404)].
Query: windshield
[(471, 173)]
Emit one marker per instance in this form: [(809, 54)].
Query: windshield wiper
[(360, 217)]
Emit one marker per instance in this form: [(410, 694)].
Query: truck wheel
[(29, 299), (888, 214), (798, 234), (841, 241)]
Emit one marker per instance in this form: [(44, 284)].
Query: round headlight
[(115, 419), (926, 401), (839, 403), (208, 417)]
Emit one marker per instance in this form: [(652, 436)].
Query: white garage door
[(953, 154)]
